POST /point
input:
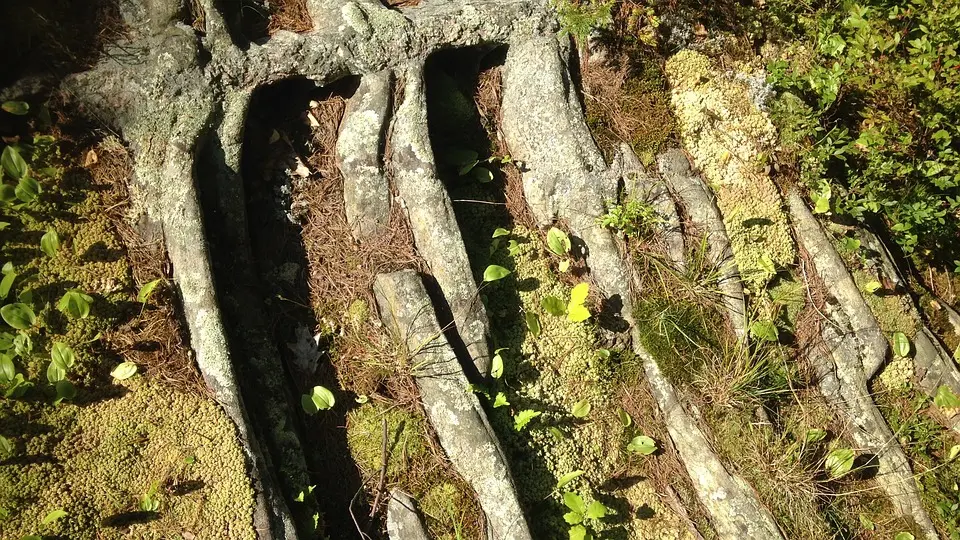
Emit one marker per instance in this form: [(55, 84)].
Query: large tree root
[(454, 411), (544, 127), (844, 376)]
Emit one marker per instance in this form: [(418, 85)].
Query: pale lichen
[(730, 139)]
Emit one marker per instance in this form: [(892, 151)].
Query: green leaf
[(581, 408), (872, 287), (12, 163), (496, 365), (144, 294), (513, 248), (625, 418), (867, 523), (75, 304), (904, 536), (815, 435), (8, 193), (574, 502), (50, 243), (764, 331), (851, 245), (945, 398), (839, 462), (6, 447), (18, 108), (954, 452), (573, 518), (569, 477), (558, 241), (53, 516), (65, 390), (500, 231), (124, 371), (563, 265), (821, 200), (901, 344), (22, 345), (6, 283), (556, 433), (767, 265), (500, 400), (55, 373), (19, 316), (597, 510), (319, 399), (578, 313), (28, 189), (465, 168), (579, 293), (553, 305), (533, 323), (641, 444), (460, 156), (482, 175), (494, 272), (7, 370), (579, 532), (62, 355), (523, 418)]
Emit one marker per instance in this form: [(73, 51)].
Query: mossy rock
[(406, 439)]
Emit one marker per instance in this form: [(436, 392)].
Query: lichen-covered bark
[(452, 408), (844, 376)]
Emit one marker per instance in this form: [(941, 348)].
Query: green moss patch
[(98, 460)]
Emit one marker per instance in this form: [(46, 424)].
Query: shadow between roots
[(261, 271)]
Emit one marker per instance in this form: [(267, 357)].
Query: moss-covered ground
[(151, 456)]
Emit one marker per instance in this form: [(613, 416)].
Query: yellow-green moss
[(892, 310), (96, 461), (896, 375), (405, 439), (730, 138), (549, 374)]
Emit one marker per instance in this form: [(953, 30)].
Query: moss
[(549, 374), (892, 310), (673, 331), (96, 461), (730, 137), (405, 439)]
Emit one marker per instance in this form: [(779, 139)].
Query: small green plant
[(581, 409), (558, 241), (569, 477), (143, 295), (582, 18), (467, 163), (581, 514), (50, 243), (633, 219), (75, 304), (576, 311), (643, 445), (494, 273), (839, 462), (496, 364), (523, 418), (149, 502), (6, 447), (124, 371), (319, 399)]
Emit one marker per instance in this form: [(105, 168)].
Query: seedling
[(319, 399), (523, 418)]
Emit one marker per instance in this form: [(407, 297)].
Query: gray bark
[(453, 410), (844, 376), (702, 210)]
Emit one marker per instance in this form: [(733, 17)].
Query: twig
[(363, 535), (383, 471)]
